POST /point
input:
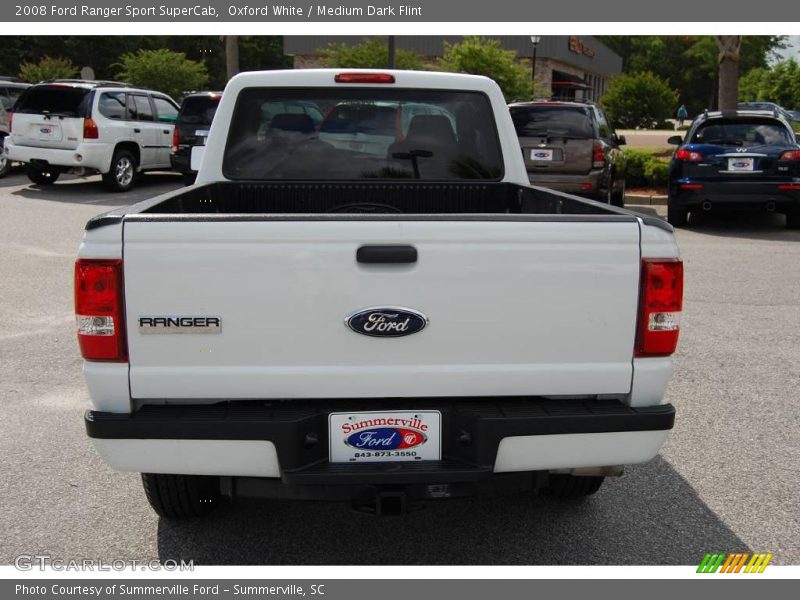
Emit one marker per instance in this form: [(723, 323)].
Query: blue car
[(742, 159)]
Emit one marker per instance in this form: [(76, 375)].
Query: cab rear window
[(61, 100), (737, 132), (199, 110), (561, 121), (364, 133)]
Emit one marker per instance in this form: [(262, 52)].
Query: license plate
[(542, 154), (741, 164), (203, 133), (45, 132), (385, 436)]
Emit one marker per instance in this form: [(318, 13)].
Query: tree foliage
[(371, 53), (482, 56), (779, 84), (690, 63), (163, 70), (47, 68), (639, 100)]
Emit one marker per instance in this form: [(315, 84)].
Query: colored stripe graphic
[(734, 562)]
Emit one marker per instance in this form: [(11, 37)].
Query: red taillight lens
[(791, 155), (660, 304), (176, 139), (99, 310), (688, 155), (598, 156), (364, 78), (90, 131), (690, 186), (789, 187)]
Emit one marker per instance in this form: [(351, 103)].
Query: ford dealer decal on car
[(385, 436), (387, 321)]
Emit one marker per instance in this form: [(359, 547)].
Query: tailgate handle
[(393, 254)]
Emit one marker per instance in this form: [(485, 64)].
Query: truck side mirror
[(675, 140), (197, 157)]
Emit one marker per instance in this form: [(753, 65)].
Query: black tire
[(570, 486), (122, 174), (189, 178), (5, 165), (43, 176), (793, 220), (181, 496), (677, 216), (618, 198)]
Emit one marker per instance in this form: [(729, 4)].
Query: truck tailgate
[(515, 307)]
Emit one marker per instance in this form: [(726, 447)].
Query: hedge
[(644, 169)]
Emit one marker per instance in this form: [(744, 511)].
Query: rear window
[(199, 110), (561, 121), (742, 131), (362, 135), (62, 100)]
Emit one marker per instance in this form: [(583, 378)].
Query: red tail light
[(598, 156), (690, 186), (793, 187), (364, 78), (688, 155), (99, 309), (660, 304), (176, 139), (791, 155), (90, 131)]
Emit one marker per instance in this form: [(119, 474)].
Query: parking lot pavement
[(726, 480)]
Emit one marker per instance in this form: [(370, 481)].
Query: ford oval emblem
[(387, 321), (386, 438), (741, 165), (542, 154)]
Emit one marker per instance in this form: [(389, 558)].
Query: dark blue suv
[(747, 159)]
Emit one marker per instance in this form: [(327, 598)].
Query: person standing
[(682, 114)]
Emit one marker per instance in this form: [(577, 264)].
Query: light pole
[(535, 39)]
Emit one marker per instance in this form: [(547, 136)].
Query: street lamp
[(535, 39)]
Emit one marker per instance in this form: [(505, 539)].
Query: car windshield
[(742, 131), (199, 110), (552, 121), (61, 100), (367, 133)]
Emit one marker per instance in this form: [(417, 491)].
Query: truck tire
[(181, 496), (677, 216), (793, 220), (570, 486), (41, 176), (618, 197), (122, 174)]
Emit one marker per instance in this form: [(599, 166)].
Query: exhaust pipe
[(707, 205), (770, 206)]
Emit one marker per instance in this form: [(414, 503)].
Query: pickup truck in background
[(374, 323)]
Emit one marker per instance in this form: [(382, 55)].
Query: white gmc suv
[(91, 127), (375, 324)]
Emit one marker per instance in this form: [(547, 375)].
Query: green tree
[(639, 100), (47, 68), (163, 70), (482, 56), (779, 84), (371, 53)]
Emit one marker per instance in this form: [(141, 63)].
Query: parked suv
[(194, 120), (571, 147), (91, 126), (10, 90), (746, 159)]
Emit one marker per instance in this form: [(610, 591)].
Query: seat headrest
[(431, 127), (299, 123)]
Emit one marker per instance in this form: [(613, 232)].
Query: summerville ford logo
[(387, 321), (385, 433)]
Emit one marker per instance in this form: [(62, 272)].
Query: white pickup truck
[(362, 298)]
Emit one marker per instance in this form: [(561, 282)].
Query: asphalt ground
[(728, 479)]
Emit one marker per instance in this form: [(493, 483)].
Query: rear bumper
[(753, 194), (290, 439), (180, 162), (580, 185), (95, 156)]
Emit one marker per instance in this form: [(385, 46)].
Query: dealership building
[(567, 66)]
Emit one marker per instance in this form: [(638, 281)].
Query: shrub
[(48, 68), (163, 70), (656, 172), (371, 53), (644, 169), (639, 100)]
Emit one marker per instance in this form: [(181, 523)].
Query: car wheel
[(570, 486), (677, 216), (189, 178), (121, 176), (181, 496), (46, 176), (618, 198), (793, 220), (5, 166)]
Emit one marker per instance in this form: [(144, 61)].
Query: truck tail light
[(99, 309), (90, 131), (598, 156), (660, 304), (688, 155), (176, 139), (790, 155), (364, 78)]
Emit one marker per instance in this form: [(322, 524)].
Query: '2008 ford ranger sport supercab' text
[(375, 307)]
